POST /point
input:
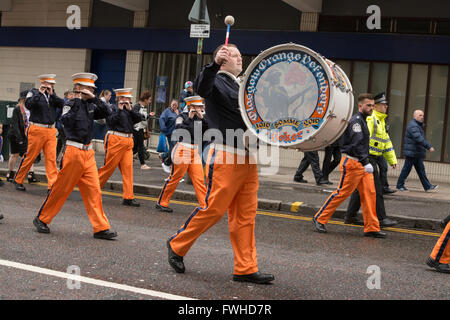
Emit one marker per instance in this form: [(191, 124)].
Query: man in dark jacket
[(414, 149)]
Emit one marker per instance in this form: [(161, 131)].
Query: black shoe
[(161, 208), (387, 222), (322, 181), (389, 191), (105, 234), (375, 234), (1, 216), (19, 186), (353, 220), (329, 182), (444, 268), (301, 180), (257, 277), (175, 261), (130, 202), (40, 226), (32, 177), (319, 227)]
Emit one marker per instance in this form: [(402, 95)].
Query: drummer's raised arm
[(204, 83)]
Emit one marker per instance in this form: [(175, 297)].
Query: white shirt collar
[(232, 76)]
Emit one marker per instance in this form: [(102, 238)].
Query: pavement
[(415, 209)]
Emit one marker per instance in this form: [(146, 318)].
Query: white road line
[(96, 282)]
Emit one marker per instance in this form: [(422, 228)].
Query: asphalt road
[(306, 265)]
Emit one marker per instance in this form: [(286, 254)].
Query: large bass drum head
[(287, 95)]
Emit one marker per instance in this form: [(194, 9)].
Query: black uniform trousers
[(383, 165), (328, 166), (138, 138), (310, 158), (355, 201)]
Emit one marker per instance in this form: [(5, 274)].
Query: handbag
[(146, 134), (162, 144)]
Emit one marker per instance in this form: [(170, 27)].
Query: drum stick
[(229, 21)]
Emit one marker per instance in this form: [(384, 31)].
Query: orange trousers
[(184, 160), (118, 152), (232, 187), (353, 176), (39, 138), (441, 251), (78, 167)]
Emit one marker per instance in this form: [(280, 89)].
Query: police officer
[(42, 104), (380, 146), (185, 154), (119, 144), (78, 166), (356, 172)]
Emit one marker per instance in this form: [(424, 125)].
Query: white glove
[(368, 167), (1, 158)]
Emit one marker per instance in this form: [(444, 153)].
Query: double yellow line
[(295, 207)]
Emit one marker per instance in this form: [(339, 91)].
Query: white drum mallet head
[(229, 21)]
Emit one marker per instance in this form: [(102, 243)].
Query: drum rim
[(257, 60)]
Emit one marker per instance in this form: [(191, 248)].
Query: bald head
[(418, 115)]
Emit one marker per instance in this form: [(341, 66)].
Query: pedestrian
[(18, 138), (78, 166), (141, 127), (414, 149), (309, 158), (439, 258), (185, 155), (119, 144), (380, 147), (328, 166), (356, 172), (41, 132), (188, 91), (232, 184), (167, 126), (61, 140)]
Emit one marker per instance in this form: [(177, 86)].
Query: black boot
[(32, 177)]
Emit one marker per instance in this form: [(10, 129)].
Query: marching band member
[(356, 172), (41, 132), (185, 155), (232, 185), (119, 144), (78, 166)]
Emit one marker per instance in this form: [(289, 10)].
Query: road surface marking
[(92, 281), (295, 206)]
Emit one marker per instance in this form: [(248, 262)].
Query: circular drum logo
[(286, 96)]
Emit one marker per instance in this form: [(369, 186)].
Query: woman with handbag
[(140, 130)]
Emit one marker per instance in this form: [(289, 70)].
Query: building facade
[(146, 45)]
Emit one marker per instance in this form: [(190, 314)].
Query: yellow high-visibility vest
[(380, 143)]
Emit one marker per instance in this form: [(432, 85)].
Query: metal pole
[(200, 40)]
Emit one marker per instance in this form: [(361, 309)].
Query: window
[(436, 110), (360, 80), (396, 110), (443, 27), (415, 26), (379, 77), (337, 24)]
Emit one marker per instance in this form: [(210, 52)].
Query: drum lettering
[(306, 59), (262, 65), (290, 57), (298, 57)]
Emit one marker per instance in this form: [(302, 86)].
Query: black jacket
[(221, 94), (355, 139), (78, 118), (415, 145), (122, 120), (43, 108), (184, 122), (16, 131)]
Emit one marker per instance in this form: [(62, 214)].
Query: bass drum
[(291, 96)]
